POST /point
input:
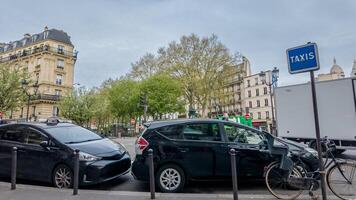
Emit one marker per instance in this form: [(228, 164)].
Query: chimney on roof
[(27, 35)]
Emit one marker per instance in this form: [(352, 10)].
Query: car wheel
[(62, 177), (170, 178)]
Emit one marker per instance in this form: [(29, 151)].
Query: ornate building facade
[(231, 100), (48, 57), (257, 101)]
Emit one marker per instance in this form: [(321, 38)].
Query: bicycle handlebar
[(328, 143)]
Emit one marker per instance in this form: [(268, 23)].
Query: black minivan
[(198, 149), (45, 153)]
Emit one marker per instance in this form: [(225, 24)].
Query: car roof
[(158, 124), (40, 125)]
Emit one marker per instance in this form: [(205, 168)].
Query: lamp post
[(271, 83), (25, 87)]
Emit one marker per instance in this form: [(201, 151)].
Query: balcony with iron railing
[(46, 97), (42, 49)]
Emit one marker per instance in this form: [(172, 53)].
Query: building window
[(60, 63), (249, 93), (59, 79), (38, 62), (248, 83), (250, 104), (257, 92), (57, 92), (259, 115), (55, 111), (60, 49), (266, 102), (256, 81), (267, 115), (258, 103), (265, 90)]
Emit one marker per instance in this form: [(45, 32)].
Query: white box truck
[(336, 107)]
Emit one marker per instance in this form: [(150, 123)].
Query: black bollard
[(13, 167), (234, 173), (151, 171), (76, 172)]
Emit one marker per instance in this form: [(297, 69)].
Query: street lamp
[(25, 85), (271, 83)]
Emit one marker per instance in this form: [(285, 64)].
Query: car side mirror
[(264, 144), (44, 144)]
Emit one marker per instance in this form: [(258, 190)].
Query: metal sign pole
[(317, 132)]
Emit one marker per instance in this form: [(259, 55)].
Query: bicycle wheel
[(277, 182), (341, 179)]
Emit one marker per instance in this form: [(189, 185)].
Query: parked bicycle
[(289, 184)]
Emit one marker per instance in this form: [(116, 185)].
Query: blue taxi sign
[(303, 58)]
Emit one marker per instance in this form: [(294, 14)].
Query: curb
[(131, 195)]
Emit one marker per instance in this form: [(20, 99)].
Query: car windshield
[(73, 134)]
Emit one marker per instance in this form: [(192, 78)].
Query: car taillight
[(141, 144)]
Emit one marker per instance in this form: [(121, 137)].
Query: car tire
[(62, 177), (170, 178)]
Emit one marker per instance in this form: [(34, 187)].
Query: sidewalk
[(26, 192)]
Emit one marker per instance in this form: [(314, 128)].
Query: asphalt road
[(128, 183)]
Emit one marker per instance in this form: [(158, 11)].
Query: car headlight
[(87, 157)]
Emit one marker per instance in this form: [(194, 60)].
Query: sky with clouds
[(112, 34)]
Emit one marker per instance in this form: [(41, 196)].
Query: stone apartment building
[(49, 59), (257, 101), (231, 100)]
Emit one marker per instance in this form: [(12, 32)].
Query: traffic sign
[(303, 58)]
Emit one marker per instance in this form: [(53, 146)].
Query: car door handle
[(183, 150), (236, 147)]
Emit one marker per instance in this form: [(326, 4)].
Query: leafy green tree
[(163, 95), (200, 64), (78, 106), (124, 99), (102, 112), (145, 67), (12, 95)]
